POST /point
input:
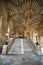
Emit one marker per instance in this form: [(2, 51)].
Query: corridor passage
[(21, 46)]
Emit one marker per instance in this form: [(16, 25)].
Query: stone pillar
[(1, 19), (31, 35)]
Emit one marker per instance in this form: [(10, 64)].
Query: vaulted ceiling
[(23, 11)]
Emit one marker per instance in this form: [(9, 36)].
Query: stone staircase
[(21, 47)]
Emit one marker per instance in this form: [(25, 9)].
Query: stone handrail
[(10, 43), (36, 48)]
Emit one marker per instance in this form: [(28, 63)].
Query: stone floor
[(21, 53), (19, 60)]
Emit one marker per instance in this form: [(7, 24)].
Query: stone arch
[(18, 19)]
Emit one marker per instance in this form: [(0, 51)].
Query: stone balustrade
[(6, 48)]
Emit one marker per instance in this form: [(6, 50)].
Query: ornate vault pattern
[(30, 10)]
